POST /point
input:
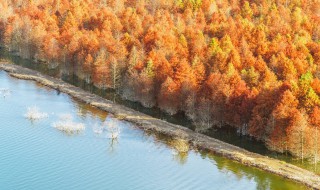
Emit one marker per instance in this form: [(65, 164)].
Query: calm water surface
[(34, 155)]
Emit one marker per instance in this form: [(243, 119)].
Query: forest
[(252, 65)]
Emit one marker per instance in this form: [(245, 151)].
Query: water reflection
[(106, 128), (113, 143), (263, 181), (227, 166), (180, 157), (85, 110)]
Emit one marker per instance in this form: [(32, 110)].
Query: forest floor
[(148, 123)]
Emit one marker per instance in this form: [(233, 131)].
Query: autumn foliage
[(250, 64)]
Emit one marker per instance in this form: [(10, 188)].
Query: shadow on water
[(226, 134)]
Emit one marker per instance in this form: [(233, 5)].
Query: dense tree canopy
[(251, 64)]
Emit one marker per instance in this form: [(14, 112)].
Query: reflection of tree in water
[(180, 157), (263, 179), (110, 129), (113, 143), (179, 147), (85, 110)]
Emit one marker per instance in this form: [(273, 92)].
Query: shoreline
[(148, 123)]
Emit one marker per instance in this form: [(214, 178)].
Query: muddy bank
[(148, 123)]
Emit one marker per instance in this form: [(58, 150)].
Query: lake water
[(35, 155)]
